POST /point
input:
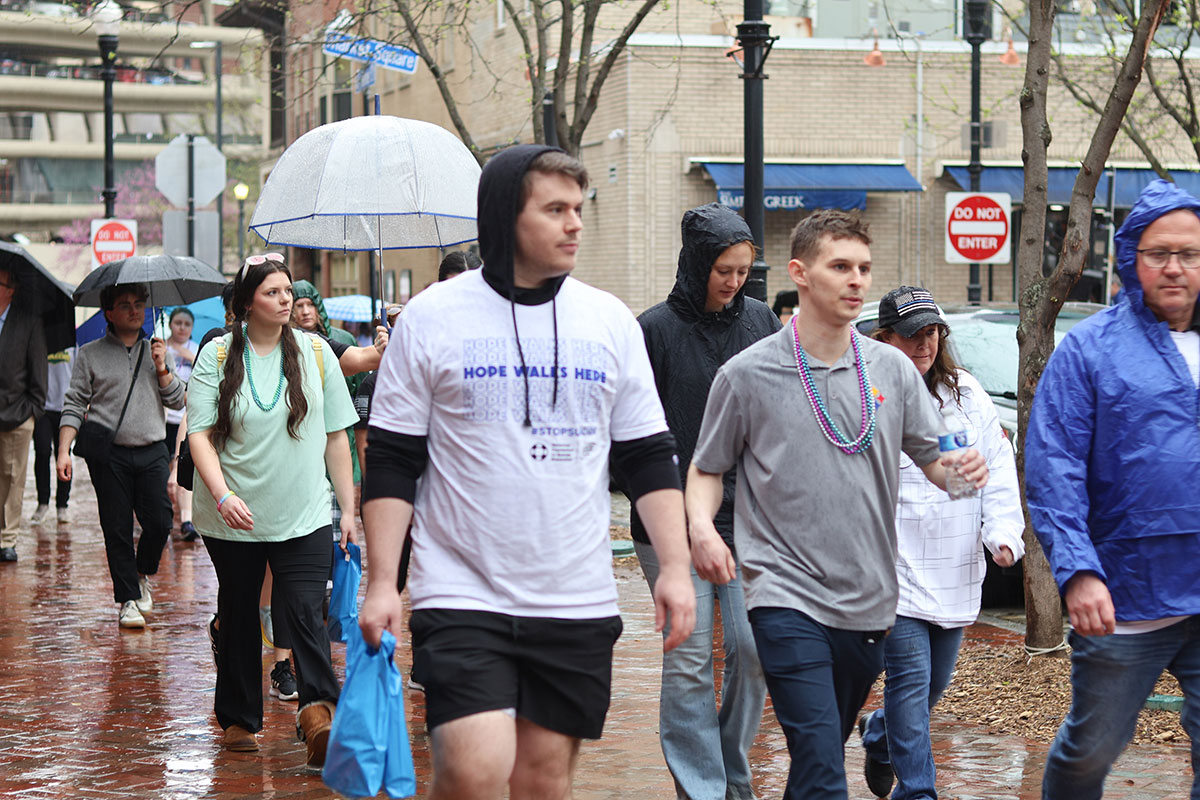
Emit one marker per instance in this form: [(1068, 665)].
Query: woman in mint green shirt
[(267, 411)]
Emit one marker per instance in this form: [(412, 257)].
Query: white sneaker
[(130, 616), (39, 514), (145, 603), (64, 516)]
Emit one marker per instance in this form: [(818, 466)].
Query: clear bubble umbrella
[(370, 184)]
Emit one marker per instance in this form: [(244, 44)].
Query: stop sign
[(977, 228), (112, 240)]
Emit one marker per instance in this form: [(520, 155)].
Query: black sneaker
[(190, 534), (211, 627), (283, 681), (878, 774)]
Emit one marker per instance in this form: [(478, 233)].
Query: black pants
[(300, 567), (45, 440), (133, 481)]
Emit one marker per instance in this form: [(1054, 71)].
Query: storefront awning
[(1130, 183), (787, 187)]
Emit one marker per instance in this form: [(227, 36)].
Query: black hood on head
[(708, 231), (498, 206)]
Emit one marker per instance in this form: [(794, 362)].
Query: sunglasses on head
[(253, 261)]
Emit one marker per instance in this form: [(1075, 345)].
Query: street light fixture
[(106, 18), (241, 191), (875, 57)]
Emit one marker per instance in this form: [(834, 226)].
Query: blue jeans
[(819, 678), (705, 749), (919, 657), (1111, 677)]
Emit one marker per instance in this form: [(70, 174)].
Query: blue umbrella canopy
[(351, 308)]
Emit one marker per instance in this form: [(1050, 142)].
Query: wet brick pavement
[(89, 711)]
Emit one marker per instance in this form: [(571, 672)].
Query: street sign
[(112, 240), (175, 236), (370, 51), (365, 78), (208, 169), (978, 229)]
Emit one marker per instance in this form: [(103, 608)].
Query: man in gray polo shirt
[(815, 417)]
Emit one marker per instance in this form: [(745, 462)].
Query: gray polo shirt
[(815, 528)]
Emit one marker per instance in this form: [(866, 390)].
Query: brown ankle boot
[(312, 726)]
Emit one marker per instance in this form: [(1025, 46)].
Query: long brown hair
[(244, 286), (942, 373)]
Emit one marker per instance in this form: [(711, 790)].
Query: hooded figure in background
[(303, 290), (706, 320), (1112, 456)]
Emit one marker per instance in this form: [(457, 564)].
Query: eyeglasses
[(1155, 258), (254, 261)]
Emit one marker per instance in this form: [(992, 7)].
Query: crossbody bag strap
[(137, 368)]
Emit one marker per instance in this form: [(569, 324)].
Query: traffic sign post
[(112, 240), (208, 169), (978, 228)]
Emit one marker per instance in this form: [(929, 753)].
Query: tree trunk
[(1041, 297)]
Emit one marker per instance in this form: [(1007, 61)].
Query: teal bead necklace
[(250, 378), (828, 427)]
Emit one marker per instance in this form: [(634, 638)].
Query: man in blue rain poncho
[(1112, 462)]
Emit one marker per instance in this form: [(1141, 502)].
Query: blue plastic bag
[(368, 746), (343, 601)]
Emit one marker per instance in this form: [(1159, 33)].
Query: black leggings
[(300, 568), (45, 440)]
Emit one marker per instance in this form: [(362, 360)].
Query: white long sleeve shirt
[(940, 564)]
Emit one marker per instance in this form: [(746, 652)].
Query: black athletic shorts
[(554, 672)]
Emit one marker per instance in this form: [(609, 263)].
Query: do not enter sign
[(112, 240), (977, 228)]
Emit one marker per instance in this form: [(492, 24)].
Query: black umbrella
[(171, 280), (46, 295)]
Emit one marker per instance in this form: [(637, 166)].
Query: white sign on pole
[(208, 168), (978, 228), (112, 240), (205, 232)]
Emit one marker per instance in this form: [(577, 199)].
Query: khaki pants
[(14, 460)]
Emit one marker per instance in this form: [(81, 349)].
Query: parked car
[(983, 340)]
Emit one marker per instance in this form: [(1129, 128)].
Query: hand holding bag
[(343, 599), (94, 441), (368, 746)]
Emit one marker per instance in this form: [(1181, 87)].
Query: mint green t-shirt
[(281, 479)]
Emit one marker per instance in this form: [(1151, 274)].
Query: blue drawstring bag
[(343, 600), (368, 745)]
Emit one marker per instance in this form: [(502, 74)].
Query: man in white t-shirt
[(1112, 456), (504, 391)]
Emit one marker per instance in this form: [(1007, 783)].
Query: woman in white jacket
[(940, 566)]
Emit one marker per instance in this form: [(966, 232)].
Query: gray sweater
[(99, 382)]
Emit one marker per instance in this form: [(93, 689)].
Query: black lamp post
[(754, 36), (106, 18), (974, 31), (241, 191)]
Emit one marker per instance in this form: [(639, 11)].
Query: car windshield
[(985, 344)]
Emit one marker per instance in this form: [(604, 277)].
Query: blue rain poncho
[(1112, 455)]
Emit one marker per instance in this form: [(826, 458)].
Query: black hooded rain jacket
[(687, 344)]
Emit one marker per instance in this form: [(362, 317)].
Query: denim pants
[(706, 749), (819, 677), (1111, 677), (919, 657)]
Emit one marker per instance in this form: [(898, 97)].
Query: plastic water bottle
[(952, 438)]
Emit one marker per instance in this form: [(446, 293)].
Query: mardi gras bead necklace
[(828, 426), (250, 377)]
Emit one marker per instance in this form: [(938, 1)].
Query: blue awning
[(788, 187), (1130, 183)]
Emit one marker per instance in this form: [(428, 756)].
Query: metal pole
[(1112, 230), (973, 23), (108, 72), (221, 197), (754, 36), (191, 195), (920, 156), (549, 126), (241, 231)]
